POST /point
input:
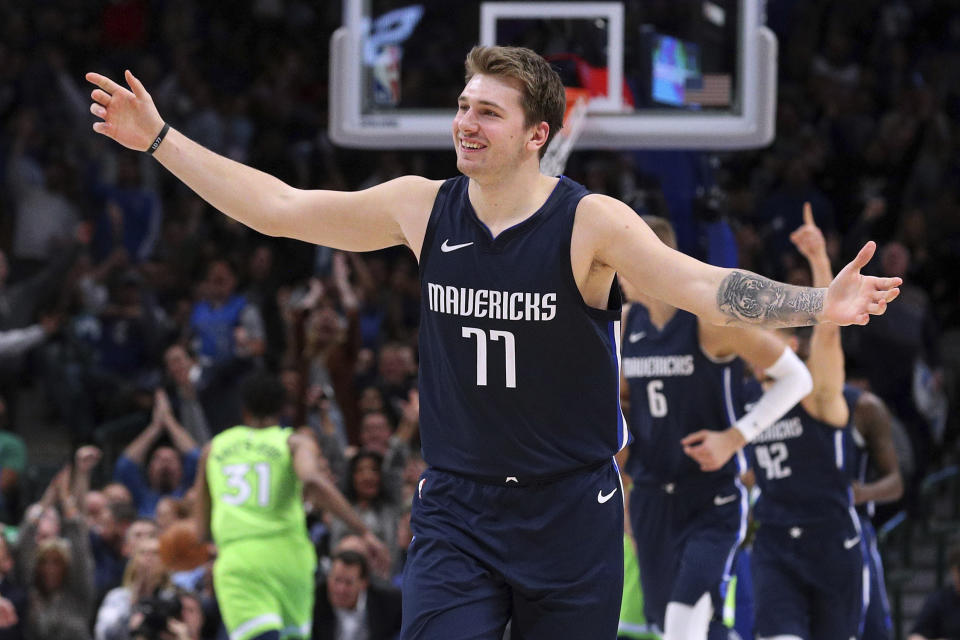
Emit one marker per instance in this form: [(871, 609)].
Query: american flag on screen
[(707, 90)]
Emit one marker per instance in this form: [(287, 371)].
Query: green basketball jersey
[(254, 491)]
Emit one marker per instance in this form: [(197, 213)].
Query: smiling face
[(366, 479), (490, 134)]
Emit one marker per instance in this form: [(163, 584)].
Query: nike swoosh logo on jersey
[(717, 500), (446, 247), (851, 543), (636, 337), (603, 498)]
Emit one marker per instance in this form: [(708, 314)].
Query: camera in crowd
[(157, 610)]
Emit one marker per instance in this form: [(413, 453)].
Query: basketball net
[(555, 158)]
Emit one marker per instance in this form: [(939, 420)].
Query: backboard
[(678, 74)]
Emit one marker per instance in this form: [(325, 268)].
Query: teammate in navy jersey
[(876, 478), (808, 555), (872, 461), (520, 512), (689, 513)]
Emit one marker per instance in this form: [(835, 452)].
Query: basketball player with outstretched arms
[(520, 512)]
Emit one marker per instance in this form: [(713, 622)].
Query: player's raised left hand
[(129, 115), (853, 297)]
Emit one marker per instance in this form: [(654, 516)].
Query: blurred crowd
[(134, 310)]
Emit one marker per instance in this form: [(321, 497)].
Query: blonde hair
[(543, 96), (57, 546)]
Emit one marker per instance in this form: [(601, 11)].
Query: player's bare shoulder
[(412, 198), (601, 218)]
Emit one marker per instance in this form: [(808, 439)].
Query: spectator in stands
[(325, 344), (396, 376), (16, 342), (131, 216), (169, 510), (13, 599), (378, 436), (325, 430), (42, 186), (263, 282), (365, 491), (204, 395), (169, 469), (940, 616), (218, 315), (92, 507), (60, 569), (349, 606), (888, 352), (107, 535), (117, 492), (22, 299), (143, 576), (191, 622), (13, 461)]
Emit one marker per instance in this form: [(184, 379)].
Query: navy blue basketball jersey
[(801, 468), (518, 375), (675, 390), (859, 455)]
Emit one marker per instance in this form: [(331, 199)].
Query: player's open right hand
[(129, 117)]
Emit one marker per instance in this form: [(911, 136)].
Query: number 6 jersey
[(675, 390), (518, 376)]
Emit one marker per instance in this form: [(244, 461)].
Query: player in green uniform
[(249, 490)]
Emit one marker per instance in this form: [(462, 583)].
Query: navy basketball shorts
[(879, 623), (687, 541), (546, 555), (808, 582)]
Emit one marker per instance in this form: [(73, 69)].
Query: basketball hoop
[(555, 159)]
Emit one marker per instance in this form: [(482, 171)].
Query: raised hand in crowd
[(84, 461), (162, 420), (409, 423), (8, 614), (341, 279)]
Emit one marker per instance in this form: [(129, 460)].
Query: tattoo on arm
[(747, 298)]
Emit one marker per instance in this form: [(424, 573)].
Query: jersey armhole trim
[(442, 193), (604, 315)]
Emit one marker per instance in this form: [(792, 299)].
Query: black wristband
[(159, 138)]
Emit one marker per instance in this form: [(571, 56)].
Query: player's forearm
[(201, 516), (245, 194), (747, 299), (826, 361), (791, 383), (334, 502), (886, 489)]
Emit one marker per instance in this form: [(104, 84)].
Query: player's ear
[(538, 136)]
